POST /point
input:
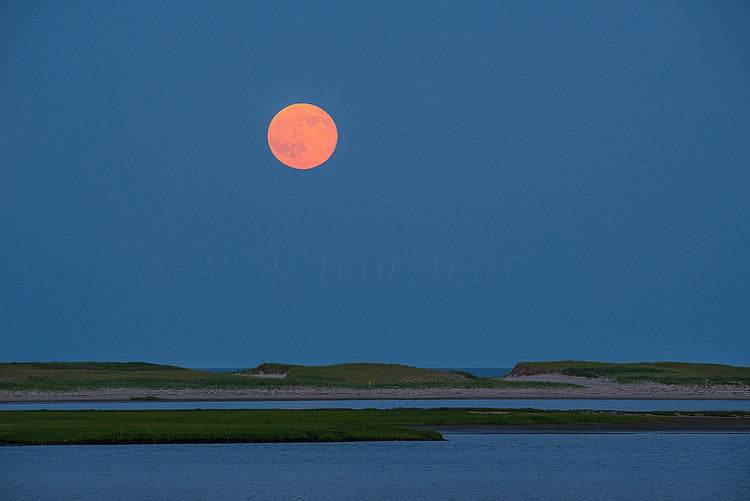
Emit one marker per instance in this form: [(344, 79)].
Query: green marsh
[(44, 427)]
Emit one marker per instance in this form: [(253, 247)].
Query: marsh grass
[(269, 425), (67, 376), (661, 372)]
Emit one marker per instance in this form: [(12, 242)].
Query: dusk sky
[(513, 181)]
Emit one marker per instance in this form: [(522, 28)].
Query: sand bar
[(591, 389), (685, 424)]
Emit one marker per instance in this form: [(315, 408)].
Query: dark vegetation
[(274, 425)]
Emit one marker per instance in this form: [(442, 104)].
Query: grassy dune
[(355, 375), (661, 372), (66, 376), (275, 425), (62, 376)]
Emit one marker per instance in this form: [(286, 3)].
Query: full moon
[(302, 136)]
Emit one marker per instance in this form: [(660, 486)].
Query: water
[(561, 404), (466, 466)]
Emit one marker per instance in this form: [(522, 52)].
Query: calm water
[(467, 466), (616, 405)]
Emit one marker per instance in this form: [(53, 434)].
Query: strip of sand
[(682, 424), (590, 389)]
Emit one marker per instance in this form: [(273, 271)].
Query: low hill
[(347, 374), (661, 372), (67, 376)]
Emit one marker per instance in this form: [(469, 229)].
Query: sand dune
[(591, 389)]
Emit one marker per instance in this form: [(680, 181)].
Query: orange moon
[(302, 136)]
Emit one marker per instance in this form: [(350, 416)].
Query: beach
[(591, 388)]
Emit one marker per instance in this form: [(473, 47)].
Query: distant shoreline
[(120, 382)]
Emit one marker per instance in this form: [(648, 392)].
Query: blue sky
[(513, 181)]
